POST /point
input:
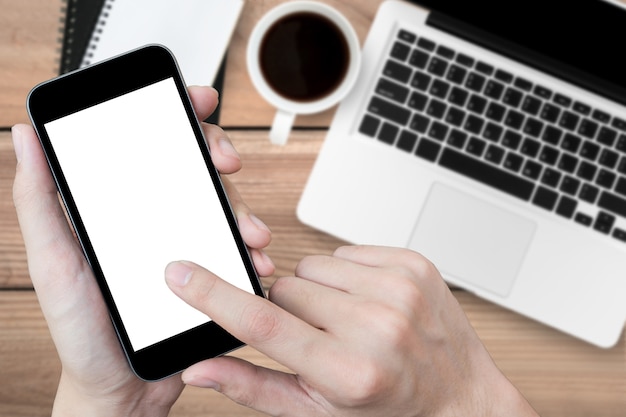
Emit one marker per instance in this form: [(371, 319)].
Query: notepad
[(196, 31)]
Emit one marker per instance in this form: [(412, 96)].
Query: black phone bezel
[(98, 83)]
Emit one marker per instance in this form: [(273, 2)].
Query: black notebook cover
[(81, 17)]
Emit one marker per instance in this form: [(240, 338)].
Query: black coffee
[(304, 56)]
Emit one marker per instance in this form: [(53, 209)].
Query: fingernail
[(259, 223), (16, 134), (227, 148), (178, 274), (201, 382)]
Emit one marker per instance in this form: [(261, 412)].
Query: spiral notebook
[(197, 32)]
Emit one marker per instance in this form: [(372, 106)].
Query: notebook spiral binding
[(95, 37), (65, 39)]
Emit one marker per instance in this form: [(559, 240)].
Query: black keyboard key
[(511, 139), (456, 74), (621, 143), (369, 125), (523, 84), (418, 101), (512, 97), (494, 154), (583, 219), (620, 187), (606, 179), (389, 111), (531, 105), (549, 155), (589, 193), (570, 185), (458, 96), (388, 133), (569, 120), (438, 131), (391, 90), (419, 123), (397, 71), (504, 76), (531, 170), (604, 222), (486, 174), (445, 52), (619, 124), (589, 151), (601, 116), (457, 138), (426, 44), (465, 60), (439, 88), (545, 198), (566, 207), (476, 146), (550, 113), (418, 59), (551, 135), (455, 116), (428, 150), (588, 128), (406, 141), (484, 68), (621, 167), (407, 36), (514, 119), (582, 108), (400, 51), (473, 124), (476, 104), (436, 108), (530, 147), (475, 82), (421, 81), (607, 136), (562, 100), (551, 177), (495, 112), (493, 132), (619, 234), (586, 171), (608, 158), (568, 163), (542, 92), (437, 66), (513, 162), (571, 143), (613, 203), (533, 127), (494, 89)]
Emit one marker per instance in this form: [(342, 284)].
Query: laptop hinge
[(526, 56)]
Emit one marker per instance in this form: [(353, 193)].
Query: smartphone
[(135, 174)]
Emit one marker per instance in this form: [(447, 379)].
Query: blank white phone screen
[(146, 198)]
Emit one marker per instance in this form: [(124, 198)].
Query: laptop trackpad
[(471, 240)]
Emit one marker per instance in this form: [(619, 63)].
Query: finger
[(252, 319), (223, 154), (46, 233), (319, 305), (266, 390), (262, 263), (204, 100)]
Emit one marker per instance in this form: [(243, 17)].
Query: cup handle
[(281, 126)]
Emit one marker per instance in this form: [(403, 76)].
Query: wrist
[(72, 401)]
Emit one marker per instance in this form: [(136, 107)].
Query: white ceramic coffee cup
[(287, 109)]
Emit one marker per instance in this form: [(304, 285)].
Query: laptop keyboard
[(502, 130)]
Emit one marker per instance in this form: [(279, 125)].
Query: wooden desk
[(560, 376)]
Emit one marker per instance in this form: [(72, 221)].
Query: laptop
[(490, 137)]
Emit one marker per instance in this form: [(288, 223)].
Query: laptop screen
[(579, 40)]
